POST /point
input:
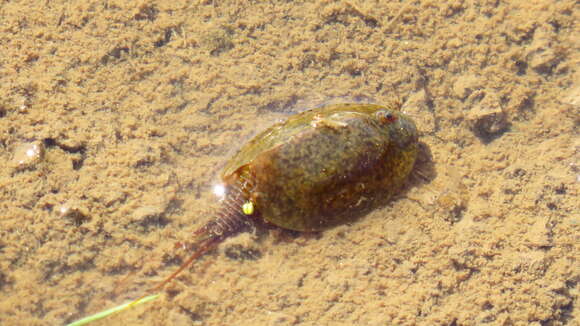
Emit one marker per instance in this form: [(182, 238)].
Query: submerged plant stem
[(108, 312)]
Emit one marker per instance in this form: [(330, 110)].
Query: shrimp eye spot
[(387, 117)]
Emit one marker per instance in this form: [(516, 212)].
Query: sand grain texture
[(138, 104)]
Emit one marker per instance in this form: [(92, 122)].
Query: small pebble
[(73, 211), (488, 120), (27, 155)]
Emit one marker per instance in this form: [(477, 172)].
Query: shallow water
[(138, 106)]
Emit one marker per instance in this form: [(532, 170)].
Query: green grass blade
[(108, 312)]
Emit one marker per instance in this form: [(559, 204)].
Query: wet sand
[(116, 118)]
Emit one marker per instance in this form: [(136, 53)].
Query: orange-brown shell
[(325, 166)]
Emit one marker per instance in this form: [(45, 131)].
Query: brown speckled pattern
[(326, 166)]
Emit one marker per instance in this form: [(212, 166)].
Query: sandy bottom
[(117, 116)]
